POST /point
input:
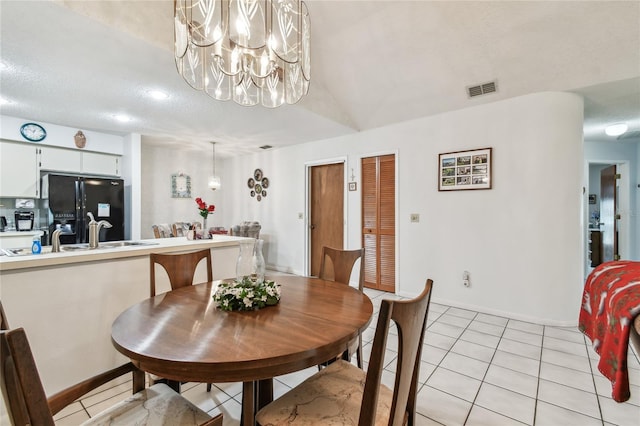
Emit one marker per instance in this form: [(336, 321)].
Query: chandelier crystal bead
[(249, 51)]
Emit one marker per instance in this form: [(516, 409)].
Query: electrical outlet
[(465, 279), (415, 217)]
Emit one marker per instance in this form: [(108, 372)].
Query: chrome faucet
[(94, 230), (55, 241)]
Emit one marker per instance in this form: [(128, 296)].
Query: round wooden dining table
[(182, 336)]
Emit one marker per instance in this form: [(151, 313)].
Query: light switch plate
[(415, 217)]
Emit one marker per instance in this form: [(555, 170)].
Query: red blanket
[(610, 302)]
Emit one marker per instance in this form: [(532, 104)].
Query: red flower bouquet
[(204, 209)]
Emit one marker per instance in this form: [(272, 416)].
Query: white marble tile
[(566, 360), (567, 376), (439, 340), (507, 403), (565, 333), (552, 415), (483, 327), (519, 348), (619, 413), (513, 380), (483, 339), (525, 326), (75, 410), (492, 319), (523, 337), (437, 308), (432, 355), (425, 372), (569, 398), (454, 320), (453, 383), (516, 362), (482, 417), (465, 365), (73, 419), (473, 350), (231, 411), (442, 407), (206, 401), (445, 329), (565, 346), (463, 313)]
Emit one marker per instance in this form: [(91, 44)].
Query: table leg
[(248, 404), (265, 393), (173, 384), (255, 395)]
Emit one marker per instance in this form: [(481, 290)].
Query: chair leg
[(359, 352), (208, 387)]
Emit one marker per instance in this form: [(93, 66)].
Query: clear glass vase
[(250, 263), (258, 263), (244, 264)]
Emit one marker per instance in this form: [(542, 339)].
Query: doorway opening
[(607, 213)]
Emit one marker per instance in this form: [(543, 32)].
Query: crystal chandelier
[(214, 180), (251, 51)]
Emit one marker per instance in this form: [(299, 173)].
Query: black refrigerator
[(70, 198)]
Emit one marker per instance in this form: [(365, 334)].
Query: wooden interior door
[(379, 222), (326, 221), (608, 208)]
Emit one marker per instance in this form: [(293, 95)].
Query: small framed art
[(465, 170), (353, 186)]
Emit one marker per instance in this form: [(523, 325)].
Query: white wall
[(158, 164), (521, 241)]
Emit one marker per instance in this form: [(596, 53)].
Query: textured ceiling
[(374, 63)]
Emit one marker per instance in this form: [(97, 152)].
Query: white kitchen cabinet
[(60, 160), (100, 164), (18, 170)]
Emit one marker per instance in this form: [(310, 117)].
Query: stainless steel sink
[(114, 244), (26, 251)]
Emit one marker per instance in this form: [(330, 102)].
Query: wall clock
[(33, 132)]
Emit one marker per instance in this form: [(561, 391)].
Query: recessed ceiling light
[(616, 129), (158, 94), (122, 118)]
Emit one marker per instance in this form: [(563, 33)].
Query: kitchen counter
[(160, 245), (11, 239), (67, 301)]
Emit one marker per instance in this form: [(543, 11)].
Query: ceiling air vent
[(266, 147), (629, 135), (481, 89)]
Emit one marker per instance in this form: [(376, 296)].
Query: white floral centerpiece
[(246, 295)]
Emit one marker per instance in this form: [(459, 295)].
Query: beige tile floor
[(477, 369)]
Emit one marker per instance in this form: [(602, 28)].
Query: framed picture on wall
[(463, 170), (180, 185)]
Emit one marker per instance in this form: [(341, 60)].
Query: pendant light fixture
[(251, 51), (214, 180)]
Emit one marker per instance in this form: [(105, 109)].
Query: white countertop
[(160, 245), (20, 233)]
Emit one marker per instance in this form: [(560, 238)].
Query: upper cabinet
[(59, 160), (21, 165), (100, 164), (74, 161), (18, 170)]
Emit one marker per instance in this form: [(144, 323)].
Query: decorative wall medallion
[(257, 175), (80, 139), (251, 182)]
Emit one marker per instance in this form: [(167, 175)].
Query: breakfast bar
[(67, 301)]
